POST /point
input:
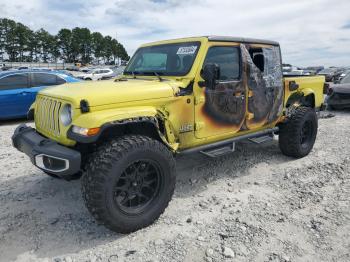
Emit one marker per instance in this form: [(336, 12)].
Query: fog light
[(85, 131), (51, 163)]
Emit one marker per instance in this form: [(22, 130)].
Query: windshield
[(168, 59), (346, 79)]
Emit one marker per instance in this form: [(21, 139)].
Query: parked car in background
[(96, 74), (339, 94), (296, 72), (18, 89), (344, 73), (3, 67), (330, 73), (116, 72), (72, 68)]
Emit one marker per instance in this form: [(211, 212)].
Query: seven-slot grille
[(47, 115)]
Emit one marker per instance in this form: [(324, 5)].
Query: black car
[(339, 94), (330, 74)]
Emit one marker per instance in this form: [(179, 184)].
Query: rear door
[(263, 71), (15, 98), (221, 110)]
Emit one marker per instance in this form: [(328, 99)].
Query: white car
[(96, 74)]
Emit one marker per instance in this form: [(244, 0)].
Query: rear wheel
[(129, 182), (298, 134)]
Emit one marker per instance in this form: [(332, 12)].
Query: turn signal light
[(85, 131)]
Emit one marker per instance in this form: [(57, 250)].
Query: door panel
[(221, 110), (14, 103), (265, 86), (15, 97)]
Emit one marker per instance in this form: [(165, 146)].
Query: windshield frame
[(161, 73)]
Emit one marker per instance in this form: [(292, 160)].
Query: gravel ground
[(252, 205)]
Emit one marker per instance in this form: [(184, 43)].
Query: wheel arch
[(304, 98), (153, 127)]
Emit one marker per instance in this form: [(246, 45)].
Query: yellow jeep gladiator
[(199, 94)]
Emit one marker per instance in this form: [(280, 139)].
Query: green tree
[(64, 42), (20, 43), (98, 45), (82, 44)]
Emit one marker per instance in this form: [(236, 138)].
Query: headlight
[(66, 115)]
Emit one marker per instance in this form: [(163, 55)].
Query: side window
[(258, 58), (42, 79), (228, 58), (14, 82)]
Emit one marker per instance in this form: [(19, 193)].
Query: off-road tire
[(104, 170), (291, 132)]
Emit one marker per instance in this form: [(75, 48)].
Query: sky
[(311, 32)]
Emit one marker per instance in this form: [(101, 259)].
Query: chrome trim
[(39, 162)]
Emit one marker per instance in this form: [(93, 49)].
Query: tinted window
[(227, 57), (42, 79), (14, 81)]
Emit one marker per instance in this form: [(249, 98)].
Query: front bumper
[(46, 154)]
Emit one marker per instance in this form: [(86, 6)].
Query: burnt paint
[(226, 104)]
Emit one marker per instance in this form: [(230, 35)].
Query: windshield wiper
[(157, 75)]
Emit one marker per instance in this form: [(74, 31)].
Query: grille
[(47, 115)]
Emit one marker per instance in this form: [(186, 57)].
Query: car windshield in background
[(326, 71), (346, 79), (167, 60)]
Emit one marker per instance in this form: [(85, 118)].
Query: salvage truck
[(183, 96)]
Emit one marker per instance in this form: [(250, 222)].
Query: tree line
[(21, 44)]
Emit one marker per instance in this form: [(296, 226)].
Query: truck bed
[(308, 85)]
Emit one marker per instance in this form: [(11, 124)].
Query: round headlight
[(66, 115)]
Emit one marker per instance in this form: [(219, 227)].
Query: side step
[(219, 151), (227, 145), (261, 139)]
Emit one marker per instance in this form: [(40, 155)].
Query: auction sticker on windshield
[(186, 50)]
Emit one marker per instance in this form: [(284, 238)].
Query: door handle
[(24, 93)]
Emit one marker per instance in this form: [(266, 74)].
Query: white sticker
[(186, 50)]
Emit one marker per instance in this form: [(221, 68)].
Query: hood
[(111, 92)]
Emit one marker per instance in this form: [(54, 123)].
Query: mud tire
[(298, 134), (106, 167)]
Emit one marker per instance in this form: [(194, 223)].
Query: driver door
[(221, 110)]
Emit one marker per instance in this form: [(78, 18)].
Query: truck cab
[(199, 94)]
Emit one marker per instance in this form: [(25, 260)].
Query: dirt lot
[(252, 205)]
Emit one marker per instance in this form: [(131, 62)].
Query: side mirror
[(293, 86), (210, 73)]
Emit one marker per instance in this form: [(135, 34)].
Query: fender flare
[(304, 97), (107, 119)]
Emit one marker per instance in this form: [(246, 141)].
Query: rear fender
[(304, 97)]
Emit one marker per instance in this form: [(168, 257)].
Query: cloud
[(310, 32), (346, 26)]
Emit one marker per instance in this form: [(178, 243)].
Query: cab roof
[(218, 39)]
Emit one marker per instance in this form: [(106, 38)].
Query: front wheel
[(298, 134), (129, 182)]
